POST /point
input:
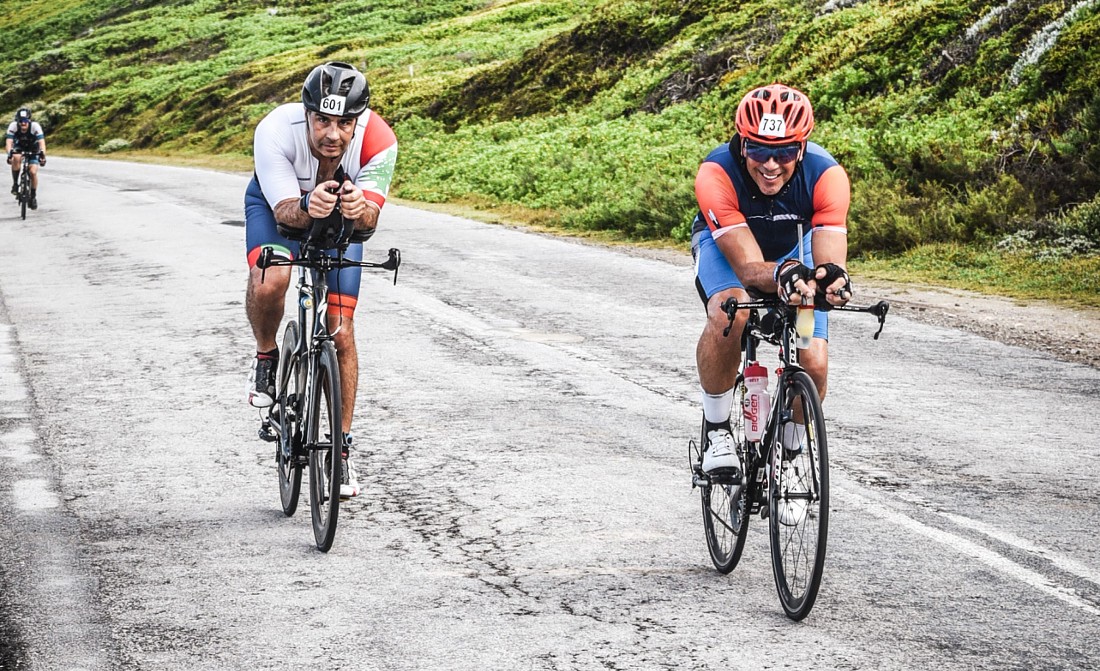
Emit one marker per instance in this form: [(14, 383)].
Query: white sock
[(716, 408), (794, 435)]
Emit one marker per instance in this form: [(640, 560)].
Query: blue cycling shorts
[(260, 232), (713, 272)]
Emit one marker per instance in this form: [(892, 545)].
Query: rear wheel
[(799, 501), (324, 442), (726, 499), (288, 420)]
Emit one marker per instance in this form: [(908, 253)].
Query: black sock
[(15, 178), (273, 354)]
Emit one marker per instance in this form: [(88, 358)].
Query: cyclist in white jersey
[(308, 156)]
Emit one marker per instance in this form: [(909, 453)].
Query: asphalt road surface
[(523, 417)]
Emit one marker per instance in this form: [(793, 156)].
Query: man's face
[(329, 135), (771, 166), (24, 124)]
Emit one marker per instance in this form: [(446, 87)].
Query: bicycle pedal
[(266, 433)]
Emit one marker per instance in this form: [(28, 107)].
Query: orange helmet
[(775, 114)]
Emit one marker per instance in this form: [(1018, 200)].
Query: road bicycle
[(786, 484), (23, 195), (305, 420)]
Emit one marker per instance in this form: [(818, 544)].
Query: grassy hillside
[(961, 122)]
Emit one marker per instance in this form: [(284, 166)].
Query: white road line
[(957, 543), (1065, 563), (34, 494)]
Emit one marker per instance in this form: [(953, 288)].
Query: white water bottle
[(757, 402), (804, 324)]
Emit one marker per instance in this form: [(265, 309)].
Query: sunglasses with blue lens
[(762, 153)]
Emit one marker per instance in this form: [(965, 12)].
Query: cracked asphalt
[(524, 410)]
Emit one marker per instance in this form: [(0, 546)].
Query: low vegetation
[(969, 127)]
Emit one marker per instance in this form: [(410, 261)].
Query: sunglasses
[(762, 153)]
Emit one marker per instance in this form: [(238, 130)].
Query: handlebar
[(730, 306), (325, 263)]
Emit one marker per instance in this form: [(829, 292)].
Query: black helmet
[(23, 115), (336, 89)]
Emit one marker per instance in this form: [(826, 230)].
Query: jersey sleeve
[(274, 168), (378, 158), (717, 199), (832, 195)]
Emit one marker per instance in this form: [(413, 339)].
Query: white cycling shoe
[(718, 454), (349, 484)]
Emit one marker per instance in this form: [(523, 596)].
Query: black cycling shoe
[(15, 189), (33, 204)]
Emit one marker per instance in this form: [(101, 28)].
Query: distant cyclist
[(752, 193), (25, 139), (308, 156)]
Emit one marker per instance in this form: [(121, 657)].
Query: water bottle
[(804, 324), (756, 402)]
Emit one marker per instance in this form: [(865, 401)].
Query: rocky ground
[(1071, 334)]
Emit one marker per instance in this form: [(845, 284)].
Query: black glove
[(9, 157), (787, 274), (42, 158), (833, 272)]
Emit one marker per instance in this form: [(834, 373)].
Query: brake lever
[(393, 262), (730, 308), (879, 310), (263, 262)]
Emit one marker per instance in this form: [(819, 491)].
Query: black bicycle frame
[(776, 327)]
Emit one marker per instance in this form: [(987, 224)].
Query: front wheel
[(798, 516), (288, 420), (325, 447)]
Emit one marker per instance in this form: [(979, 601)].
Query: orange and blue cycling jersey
[(816, 196), (817, 193)]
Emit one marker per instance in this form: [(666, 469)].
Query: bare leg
[(718, 357), (348, 356), (263, 303)]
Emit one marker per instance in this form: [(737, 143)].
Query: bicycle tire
[(325, 437), (24, 192), (798, 520), (726, 505), (291, 381)]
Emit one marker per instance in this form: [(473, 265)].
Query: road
[(523, 417)]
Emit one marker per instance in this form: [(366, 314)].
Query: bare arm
[(355, 206), (321, 201), (742, 251)]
